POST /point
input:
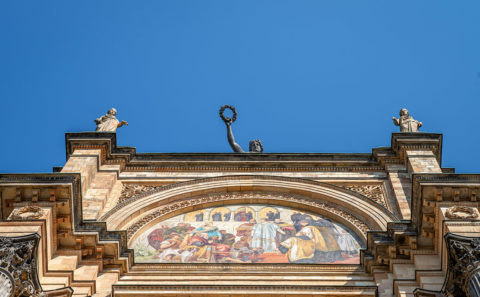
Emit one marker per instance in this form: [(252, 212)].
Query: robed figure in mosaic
[(264, 235), (311, 245)]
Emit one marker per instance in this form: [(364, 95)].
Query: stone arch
[(295, 202), (337, 203)]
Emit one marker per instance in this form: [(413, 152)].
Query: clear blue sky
[(305, 76)]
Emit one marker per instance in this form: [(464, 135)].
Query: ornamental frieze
[(242, 196), (130, 190), (373, 192)]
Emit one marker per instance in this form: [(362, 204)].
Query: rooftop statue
[(108, 122), (406, 122), (255, 145)]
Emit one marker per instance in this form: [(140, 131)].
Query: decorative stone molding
[(129, 160), (373, 192), (255, 290), (461, 213), (417, 141), (130, 190), (239, 168), (239, 268), (29, 212), (236, 178), (242, 196)]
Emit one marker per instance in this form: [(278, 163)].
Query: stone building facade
[(113, 222)]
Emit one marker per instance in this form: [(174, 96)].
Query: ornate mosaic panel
[(247, 234)]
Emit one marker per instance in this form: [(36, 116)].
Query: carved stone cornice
[(417, 141), (287, 290), (235, 268), (105, 141), (129, 160), (386, 156), (397, 243), (428, 189)]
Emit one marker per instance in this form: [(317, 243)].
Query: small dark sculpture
[(255, 145)]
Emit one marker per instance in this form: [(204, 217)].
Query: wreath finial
[(226, 119)]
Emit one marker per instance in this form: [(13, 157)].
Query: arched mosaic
[(247, 233)]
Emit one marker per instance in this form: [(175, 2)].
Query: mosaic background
[(247, 234)]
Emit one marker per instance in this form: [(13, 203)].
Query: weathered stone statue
[(406, 122), (108, 122), (255, 145)]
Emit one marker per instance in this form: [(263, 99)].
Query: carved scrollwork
[(463, 264), (458, 212), (29, 212), (373, 192), (130, 190), (463, 268), (19, 266), (18, 269)]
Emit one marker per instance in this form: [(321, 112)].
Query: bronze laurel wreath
[(226, 119)]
